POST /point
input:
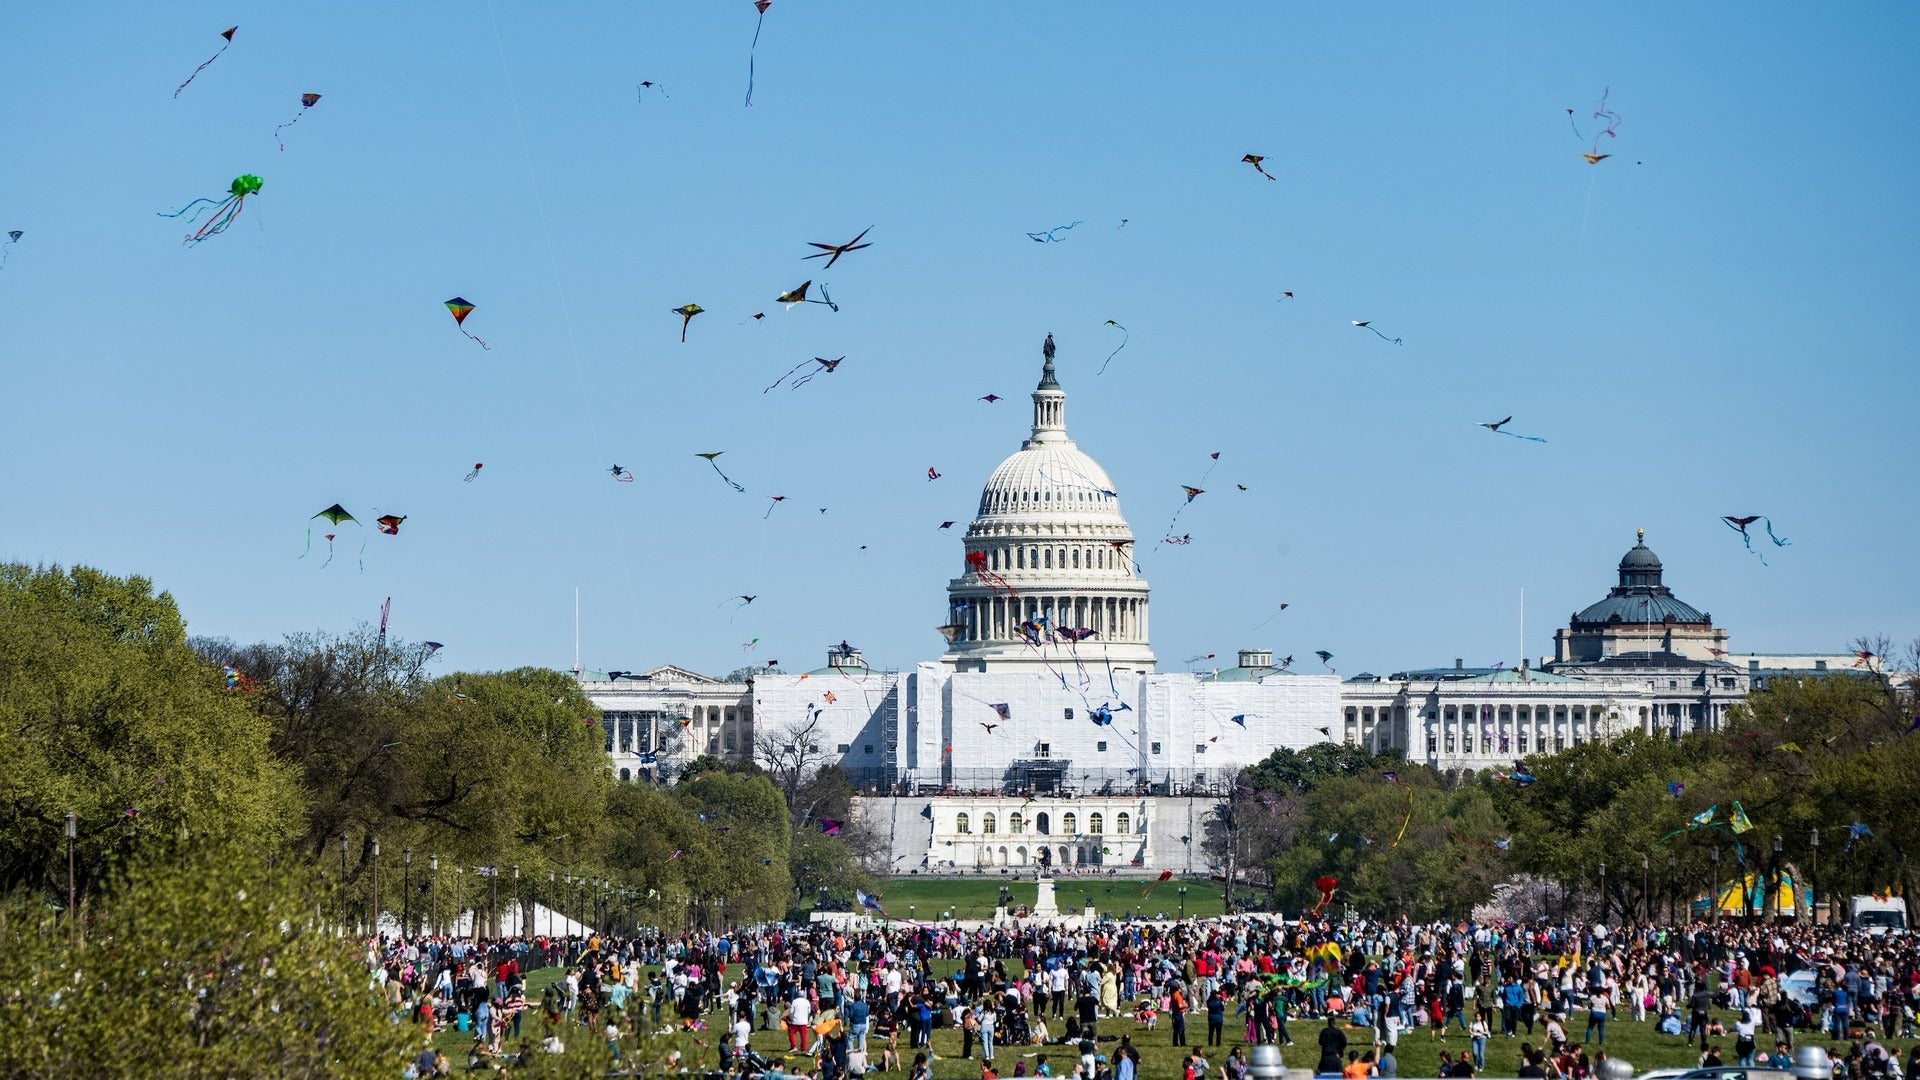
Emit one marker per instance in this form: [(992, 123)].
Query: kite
[(1048, 236), (13, 237), (640, 91), (621, 473), (1327, 887), (1323, 654), (748, 647), (1406, 811), (870, 902), (1676, 789), (777, 500), (686, 313), (1595, 159), (228, 34), (931, 474), (1498, 424), (389, 523), (1854, 832), (1192, 494), (1367, 324), (830, 826), (1611, 129), (798, 295), (1255, 160), (306, 102), (1522, 778), (988, 398), (832, 252), (1195, 659), (1738, 822), (988, 726), (977, 566), (1286, 296), (760, 6), (460, 309), (432, 647), (716, 468), (475, 474), (827, 367), (1739, 525), (1001, 709), (944, 526), (334, 514), (1165, 876), (224, 210), (1124, 335), (1238, 718)]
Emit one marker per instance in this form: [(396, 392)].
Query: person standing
[(1177, 1010), (1333, 1045), (1478, 1034), (1599, 1005), (1216, 1017)]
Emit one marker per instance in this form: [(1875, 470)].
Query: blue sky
[(1710, 322)]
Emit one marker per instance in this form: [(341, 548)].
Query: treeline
[(346, 758), (1813, 779)]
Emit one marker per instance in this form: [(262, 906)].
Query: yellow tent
[(1735, 896)]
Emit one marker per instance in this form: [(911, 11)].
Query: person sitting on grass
[(1146, 1015)]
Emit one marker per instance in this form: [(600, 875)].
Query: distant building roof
[(1640, 597)]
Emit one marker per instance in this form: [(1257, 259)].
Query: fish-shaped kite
[(460, 309), (228, 35)]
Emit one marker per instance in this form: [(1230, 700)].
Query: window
[(1199, 748), (1123, 823), (730, 741), (1096, 824), (1433, 743), (987, 824), (1156, 748), (962, 823), (846, 748), (867, 749), (1016, 824), (1070, 823), (1043, 750), (1069, 714), (1100, 746), (626, 775), (1523, 740)]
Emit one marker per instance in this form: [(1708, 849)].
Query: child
[(1146, 1015), (890, 1057)]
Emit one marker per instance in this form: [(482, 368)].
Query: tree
[(105, 712)]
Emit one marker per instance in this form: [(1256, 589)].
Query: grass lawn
[(929, 898)]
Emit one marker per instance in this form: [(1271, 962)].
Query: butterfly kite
[(1739, 525), (460, 309), (716, 468), (832, 252), (306, 102), (389, 523), (761, 6), (1255, 161), (827, 367), (1050, 236), (13, 237), (798, 295), (228, 34), (1498, 424), (224, 210), (1116, 349), (335, 515), (1367, 324), (686, 313)]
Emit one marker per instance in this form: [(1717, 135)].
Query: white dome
[(1050, 482)]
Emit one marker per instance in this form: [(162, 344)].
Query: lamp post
[(1813, 845), (1183, 903), (406, 890), (374, 928), (343, 881), (73, 833), (433, 867)]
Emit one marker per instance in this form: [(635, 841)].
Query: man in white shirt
[(799, 1017)]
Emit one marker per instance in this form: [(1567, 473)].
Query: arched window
[(1063, 558), (988, 825), (1076, 558), (1049, 558), (626, 775), (1123, 823), (1096, 824), (1069, 823), (1019, 559), (1041, 824), (962, 823), (1015, 823)]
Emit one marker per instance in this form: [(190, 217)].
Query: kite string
[(553, 263)]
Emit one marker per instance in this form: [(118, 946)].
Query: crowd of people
[(868, 998)]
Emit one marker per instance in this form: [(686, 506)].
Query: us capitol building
[(1045, 733)]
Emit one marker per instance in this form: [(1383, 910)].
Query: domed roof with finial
[(1641, 596), (1049, 479)]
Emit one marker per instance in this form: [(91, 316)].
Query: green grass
[(928, 898)]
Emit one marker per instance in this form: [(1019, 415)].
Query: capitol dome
[(1048, 566)]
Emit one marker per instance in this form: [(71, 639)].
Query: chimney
[(1523, 667), (1458, 663)]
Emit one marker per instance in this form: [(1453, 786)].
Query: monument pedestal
[(1044, 906)]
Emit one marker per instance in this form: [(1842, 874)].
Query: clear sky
[(1712, 321)]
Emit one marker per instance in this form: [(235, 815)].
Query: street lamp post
[(374, 929), (73, 834), (433, 867), (406, 890), (1813, 845), (1183, 903)]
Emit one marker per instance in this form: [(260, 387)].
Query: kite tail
[(1405, 817), (1778, 541), (288, 124), (758, 23), (363, 551), (309, 547), (198, 70), (182, 211), (222, 217), (486, 346), (1116, 352)]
